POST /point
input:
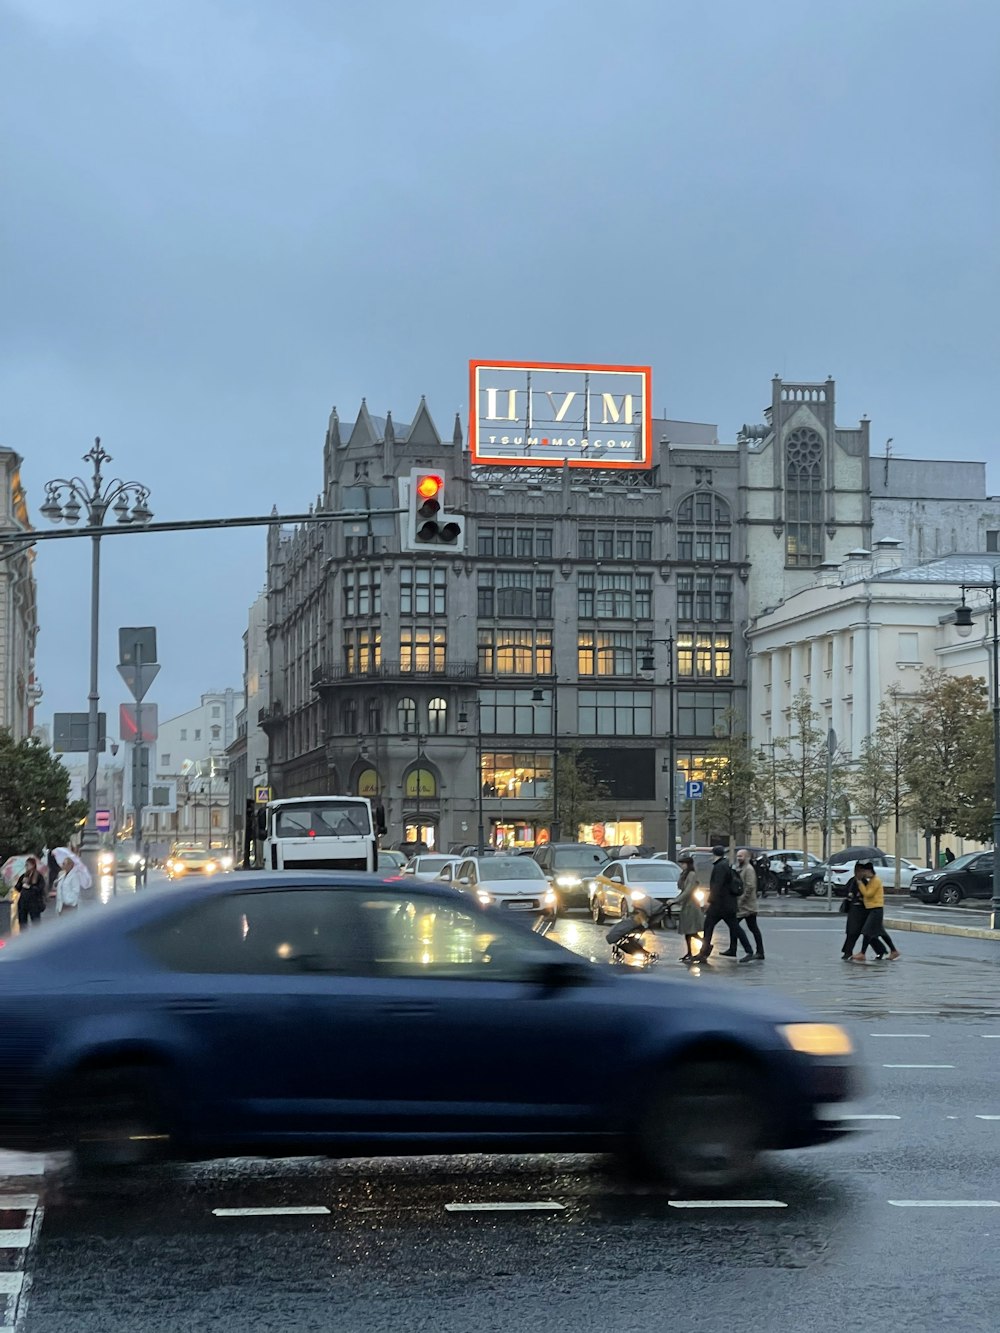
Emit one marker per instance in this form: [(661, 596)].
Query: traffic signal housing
[(428, 522)]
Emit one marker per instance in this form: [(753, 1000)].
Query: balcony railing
[(330, 674)]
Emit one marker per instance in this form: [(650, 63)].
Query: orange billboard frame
[(484, 456)]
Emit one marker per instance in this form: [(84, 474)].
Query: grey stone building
[(442, 684)]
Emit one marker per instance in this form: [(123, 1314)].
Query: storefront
[(614, 833)]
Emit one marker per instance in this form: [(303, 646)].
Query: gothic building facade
[(443, 685)]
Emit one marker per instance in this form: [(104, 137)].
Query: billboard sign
[(551, 413)]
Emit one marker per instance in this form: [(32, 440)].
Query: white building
[(19, 692), (861, 627), (191, 750)]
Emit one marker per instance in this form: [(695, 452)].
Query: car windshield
[(960, 862), (192, 855), (326, 819), (511, 867), (648, 873), (578, 858), (427, 864)]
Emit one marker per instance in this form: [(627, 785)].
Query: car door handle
[(406, 1009), (194, 1004)]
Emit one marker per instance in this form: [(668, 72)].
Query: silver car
[(516, 883)]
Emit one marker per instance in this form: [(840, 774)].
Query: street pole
[(555, 832), (672, 759), (831, 746), (479, 771), (137, 792), (65, 499), (995, 898), (88, 843)]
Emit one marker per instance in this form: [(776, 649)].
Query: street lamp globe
[(963, 620), (52, 510), (71, 511)]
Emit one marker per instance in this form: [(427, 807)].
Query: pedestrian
[(30, 888), (691, 915), (68, 887), (724, 889), (874, 933), (949, 856), (854, 906), (746, 907)]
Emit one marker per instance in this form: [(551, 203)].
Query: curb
[(933, 928)]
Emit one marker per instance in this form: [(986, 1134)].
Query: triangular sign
[(139, 679)]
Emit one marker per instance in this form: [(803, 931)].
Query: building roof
[(968, 569)]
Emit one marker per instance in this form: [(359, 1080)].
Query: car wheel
[(623, 908), (821, 888), (114, 1120), (950, 893), (597, 911), (702, 1128)]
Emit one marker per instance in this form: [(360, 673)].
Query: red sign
[(127, 723), (102, 818)]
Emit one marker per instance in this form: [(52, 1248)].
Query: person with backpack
[(724, 890)]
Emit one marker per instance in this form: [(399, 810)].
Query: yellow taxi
[(193, 861)]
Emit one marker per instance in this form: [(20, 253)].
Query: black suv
[(969, 876), (571, 868)]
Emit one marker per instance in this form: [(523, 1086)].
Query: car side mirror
[(464, 880)]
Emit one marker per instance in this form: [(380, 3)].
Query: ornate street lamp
[(65, 500)]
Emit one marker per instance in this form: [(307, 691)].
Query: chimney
[(887, 554)]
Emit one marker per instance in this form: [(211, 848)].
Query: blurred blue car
[(360, 1014)]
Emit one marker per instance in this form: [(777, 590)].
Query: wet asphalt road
[(847, 1249)]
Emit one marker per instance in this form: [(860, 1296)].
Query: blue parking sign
[(692, 790)]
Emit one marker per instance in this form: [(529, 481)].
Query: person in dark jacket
[(31, 890), (722, 901)]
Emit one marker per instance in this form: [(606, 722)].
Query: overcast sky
[(222, 217)]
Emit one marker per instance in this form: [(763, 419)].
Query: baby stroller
[(626, 936)]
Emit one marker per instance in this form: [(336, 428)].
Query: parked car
[(512, 882), (571, 869), (183, 1023), (969, 876), (813, 880), (623, 885)]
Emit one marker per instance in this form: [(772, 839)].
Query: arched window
[(437, 712), (704, 528), (803, 498), (406, 711)]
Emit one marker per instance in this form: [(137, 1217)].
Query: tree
[(948, 756), (891, 732), (35, 809), (802, 768), (871, 784), (733, 799), (581, 795)]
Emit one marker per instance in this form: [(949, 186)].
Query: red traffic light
[(429, 486)]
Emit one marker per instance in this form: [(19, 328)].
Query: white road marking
[(988, 1117), (872, 1117), (727, 1203), (899, 1034), (990, 1036), (918, 1066), (547, 1205), (944, 1203), (310, 1211), (15, 1240), (10, 1283)]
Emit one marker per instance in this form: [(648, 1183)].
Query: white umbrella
[(62, 854)]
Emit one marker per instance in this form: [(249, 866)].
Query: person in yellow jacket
[(873, 932)]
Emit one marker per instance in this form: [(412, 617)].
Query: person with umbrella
[(30, 889), (73, 880)]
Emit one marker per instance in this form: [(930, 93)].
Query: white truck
[(318, 833)]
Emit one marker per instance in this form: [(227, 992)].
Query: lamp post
[(647, 665), (463, 721), (537, 697), (963, 625), (66, 498)]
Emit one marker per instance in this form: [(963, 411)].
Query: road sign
[(692, 790), (138, 679), (102, 819), (127, 723), (140, 776), (69, 732), (262, 795), (136, 643)]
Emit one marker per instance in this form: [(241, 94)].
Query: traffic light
[(428, 523)]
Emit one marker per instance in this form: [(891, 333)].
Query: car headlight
[(226, 862), (638, 896), (700, 897), (210, 867), (935, 874), (483, 896), (817, 1038), (567, 881), (549, 898), (134, 859)]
